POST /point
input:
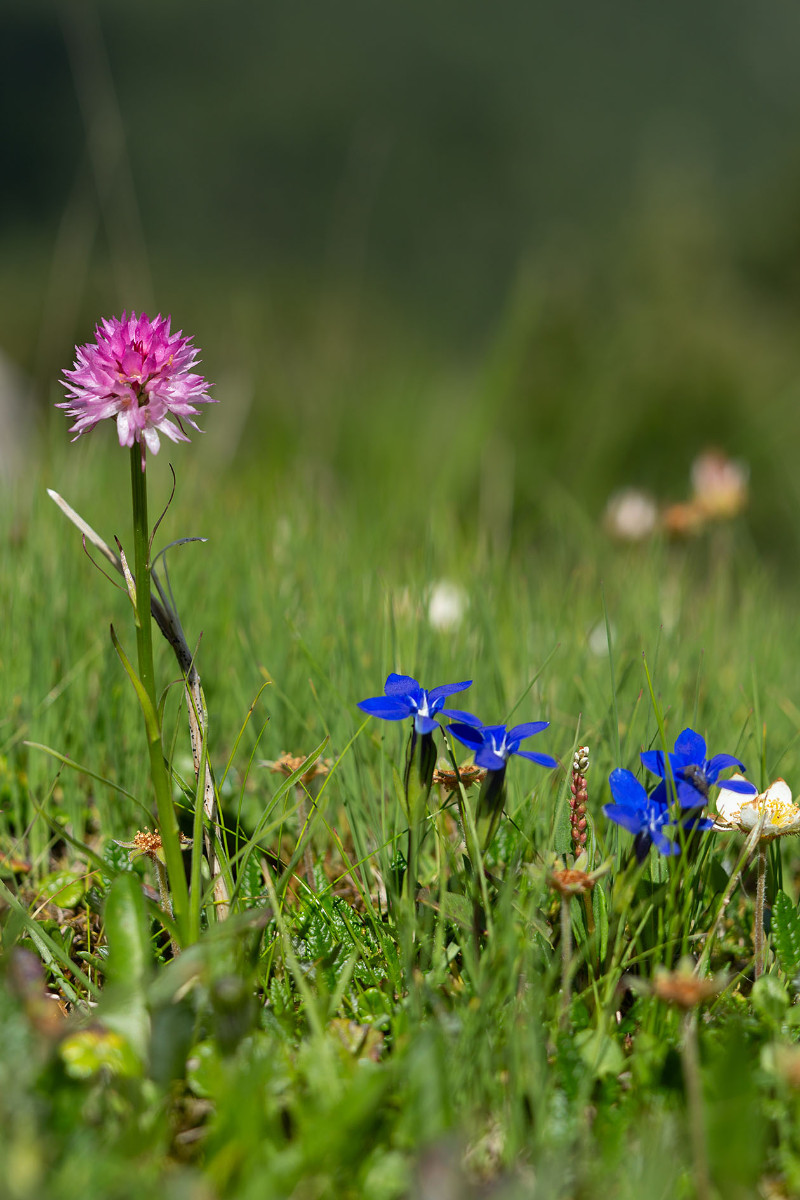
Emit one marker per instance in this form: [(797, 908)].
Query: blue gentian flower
[(645, 816), (692, 772), (494, 744), (405, 698)]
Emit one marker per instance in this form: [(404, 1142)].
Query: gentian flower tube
[(493, 745)]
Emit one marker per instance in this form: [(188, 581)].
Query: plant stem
[(758, 927), (163, 891), (713, 933), (694, 1103), (412, 864), (420, 762), (566, 958), (308, 857), (167, 819)]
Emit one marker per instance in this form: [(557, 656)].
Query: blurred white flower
[(282, 537), (631, 515), (781, 814), (447, 603), (719, 484), (597, 639)]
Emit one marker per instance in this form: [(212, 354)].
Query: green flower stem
[(758, 927), (420, 762), (566, 960), (489, 809), (167, 819), (163, 891)]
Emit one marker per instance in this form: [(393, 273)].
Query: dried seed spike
[(579, 797)]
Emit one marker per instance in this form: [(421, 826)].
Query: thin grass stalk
[(690, 1059), (303, 814), (713, 933), (198, 732), (477, 882), (196, 897)]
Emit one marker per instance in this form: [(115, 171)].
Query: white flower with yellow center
[(774, 807)]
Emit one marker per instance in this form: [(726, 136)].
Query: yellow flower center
[(778, 813)]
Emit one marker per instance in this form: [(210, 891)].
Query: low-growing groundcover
[(347, 952)]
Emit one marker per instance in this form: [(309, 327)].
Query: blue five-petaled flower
[(692, 772), (642, 815), (405, 698), (494, 744)]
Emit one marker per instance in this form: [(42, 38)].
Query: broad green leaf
[(124, 1006), (64, 888), (600, 1053)]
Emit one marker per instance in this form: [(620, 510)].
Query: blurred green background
[(507, 256)]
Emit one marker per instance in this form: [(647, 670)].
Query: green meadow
[(458, 277), (330, 1037)]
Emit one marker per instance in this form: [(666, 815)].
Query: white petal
[(748, 816), (170, 430), (778, 791), (729, 803), (151, 438)]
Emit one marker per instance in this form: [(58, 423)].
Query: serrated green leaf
[(770, 999), (786, 934)]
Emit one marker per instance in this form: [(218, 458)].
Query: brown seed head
[(145, 842), (150, 844), (287, 764), (569, 882), (683, 988), (683, 520), (468, 774)]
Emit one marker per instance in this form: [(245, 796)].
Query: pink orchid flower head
[(142, 375)]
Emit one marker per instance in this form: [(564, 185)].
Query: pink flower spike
[(139, 373)]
